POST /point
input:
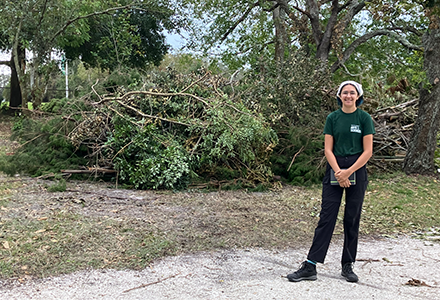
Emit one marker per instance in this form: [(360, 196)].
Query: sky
[(4, 69)]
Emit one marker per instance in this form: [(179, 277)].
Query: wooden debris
[(89, 171), (417, 282), (151, 283), (393, 126)]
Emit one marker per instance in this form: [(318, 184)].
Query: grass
[(65, 242), (401, 203)]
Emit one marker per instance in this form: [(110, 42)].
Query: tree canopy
[(132, 37), (331, 31), (108, 33)]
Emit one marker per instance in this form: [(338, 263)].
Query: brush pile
[(393, 132)]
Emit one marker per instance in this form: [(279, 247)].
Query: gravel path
[(388, 268)]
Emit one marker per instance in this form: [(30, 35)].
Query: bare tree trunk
[(15, 99), (420, 156), (19, 62), (279, 16)]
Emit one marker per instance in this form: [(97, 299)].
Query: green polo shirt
[(348, 131)]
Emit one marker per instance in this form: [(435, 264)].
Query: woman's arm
[(328, 151)]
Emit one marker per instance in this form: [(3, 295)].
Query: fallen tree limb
[(151, 283), (399, 106), (157, 94), (89, 171), (150, 116)]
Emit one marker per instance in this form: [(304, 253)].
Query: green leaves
[(147, 159), (130, 38)]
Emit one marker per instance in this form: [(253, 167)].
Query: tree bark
[(420, 156), (15, 99), (280, 33), (19, 62)]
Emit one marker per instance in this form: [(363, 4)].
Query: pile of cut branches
[(393, 131), (168, 137)]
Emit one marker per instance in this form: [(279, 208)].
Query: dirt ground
[(389, 268)]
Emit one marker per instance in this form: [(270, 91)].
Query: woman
[(348, 146)]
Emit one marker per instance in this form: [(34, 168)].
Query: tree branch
[(243, 51), (272, 8), (5, 63), (323, 46), (285, 6), (150, 116), (43, 11), (243, 17), (349, 51), (64, 27), (352, 11), (314, 20), (165, 95), (109, 98), (407, 28)]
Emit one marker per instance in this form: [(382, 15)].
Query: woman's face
[(348, 96)]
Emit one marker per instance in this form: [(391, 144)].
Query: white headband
[(358, 87), (353, 83)]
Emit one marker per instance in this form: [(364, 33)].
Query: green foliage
[(128, 38), (4, 105), (290, 93), (220, 133), (156, 138), (80, 81), (147, 159), (128, 79), (109, 34), (44, 149), (300, 157)]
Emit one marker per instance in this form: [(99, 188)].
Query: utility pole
[(65, 71)]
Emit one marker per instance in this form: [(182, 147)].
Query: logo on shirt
[(355, 128)]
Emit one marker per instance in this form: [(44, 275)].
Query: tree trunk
[(15, 99), (420, 156), (19, 62), (280, 33)]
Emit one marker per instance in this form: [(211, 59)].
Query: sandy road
[(388, 268)]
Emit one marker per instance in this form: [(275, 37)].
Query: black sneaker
[(307, 271), (347, 272)]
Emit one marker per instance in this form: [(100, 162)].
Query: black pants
[(331, 201)]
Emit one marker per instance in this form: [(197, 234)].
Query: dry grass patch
[(91, 225)]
